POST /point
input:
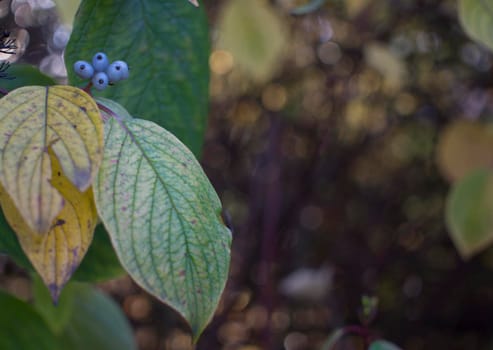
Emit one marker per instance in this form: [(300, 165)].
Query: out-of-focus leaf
[(57, 253), (383, 345), (476, 16), (469, 213), (85, 319), (67, 9), (163, 217), (333, 339), (254, 34), (392, 68), (34, 119), (464, 146), (24, 75), (21, 327), (354, 7), (194, 2), (56, 316), (311, 6), (166, 46)]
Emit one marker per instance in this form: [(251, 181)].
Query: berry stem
[(87, 88)]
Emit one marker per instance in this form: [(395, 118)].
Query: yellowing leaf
[(34, 119), (56, 254), (254, 34)]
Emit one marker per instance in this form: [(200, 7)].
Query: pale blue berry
[(114, 72), (100, 80), (100, 62), (83, 69), (118, 70)]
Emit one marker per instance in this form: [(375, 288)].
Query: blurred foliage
[(341, 158)]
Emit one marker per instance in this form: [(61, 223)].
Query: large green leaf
[(21, 327), (469, 212), (85, 318), (166, 46), (163, 217), (476, 17)]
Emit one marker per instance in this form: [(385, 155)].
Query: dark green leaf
[(85, 318), (21, 327), (24, 75), (9, 244), (100, 263), (166, 46)]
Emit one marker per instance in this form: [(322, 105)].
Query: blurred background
[(336, 130)]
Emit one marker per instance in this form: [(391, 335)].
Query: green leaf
[(469, 213), (383, 345), (24, 75), (476, 16), (21, 327), (100, 263), (85, 318), (163, 217), (255, 35), (166, 46), (57, 316)]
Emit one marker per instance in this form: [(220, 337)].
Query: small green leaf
[(469, 213), (166, 46), (476, 16), (164, 218), (383, 345), (21, 327)]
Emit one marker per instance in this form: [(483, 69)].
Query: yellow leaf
[(34, 119), (57, 253)]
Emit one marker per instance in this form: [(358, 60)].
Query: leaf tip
[(55, 291)]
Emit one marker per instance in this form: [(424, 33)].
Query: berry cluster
[(101, 72)]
